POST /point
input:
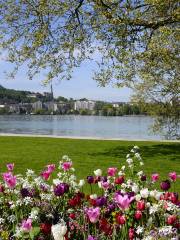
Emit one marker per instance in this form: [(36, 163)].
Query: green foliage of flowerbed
[(87, 155)]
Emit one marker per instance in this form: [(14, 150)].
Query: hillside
[(16, 96)]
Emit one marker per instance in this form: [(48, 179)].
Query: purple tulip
[(130, 194), (93, 214), (25, 192), (100, 201), (90, 179), (60, 189), (123, 201), (165, 185), (143, 178), (104, 179), (111, 206)]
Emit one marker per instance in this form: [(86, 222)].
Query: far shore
[(83, 137)]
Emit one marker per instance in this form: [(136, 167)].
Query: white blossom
[(139, 230), (144, 193), (138, 197), (153, 209), (135, 188), (34, 214), (56, 181), (123, 167), (140, 173), (137, 155), (129, 161), (29, 173), (58, 231), (120, 173)]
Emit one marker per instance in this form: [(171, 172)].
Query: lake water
[(126, 127)]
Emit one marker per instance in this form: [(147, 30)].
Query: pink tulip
[(123, 201), (10, 166), (26, 225), (173, 176), (105, 185), (51, 168), (66, 166), (9, 179), (112, 171), (46, 174), (93, 214), (155, 177)]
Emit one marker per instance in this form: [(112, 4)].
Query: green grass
[(87, 155)]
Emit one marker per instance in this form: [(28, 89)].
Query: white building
[(89, 105), (51, 106), (37, 105)]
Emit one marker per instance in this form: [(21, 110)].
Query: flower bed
[(128, 206)]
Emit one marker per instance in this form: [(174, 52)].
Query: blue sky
[(81, 85)]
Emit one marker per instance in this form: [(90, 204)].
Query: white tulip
[(81, 182), (58, 231), (144, 193), (100, 184), (98, 172), (135, 188)]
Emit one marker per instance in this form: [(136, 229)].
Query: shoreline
[(84, 138)]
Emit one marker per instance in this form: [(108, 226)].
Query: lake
[(125, 127)]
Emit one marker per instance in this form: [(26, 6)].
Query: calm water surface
[(127, 127)]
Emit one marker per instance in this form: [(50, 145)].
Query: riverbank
[(85, 138), (87, 155)]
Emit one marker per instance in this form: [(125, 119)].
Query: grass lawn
[(87, 155)]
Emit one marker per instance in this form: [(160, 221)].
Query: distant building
[(51, 106), (115, 105), (25, 107), (118, 104), (32, 95), (89, 105), (37, 106), (14, 108), (63, 107)]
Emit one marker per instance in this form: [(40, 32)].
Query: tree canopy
[(57, 35), (136, 41)]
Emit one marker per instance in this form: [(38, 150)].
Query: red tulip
[(138, 215), (173, 198), (105, 226), (1, 188), (119, 180), (140, 205), (120, 219), (72, 215), (131, 234), (171, 219), (45, 228)]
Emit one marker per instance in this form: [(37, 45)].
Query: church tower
[(52, 95)]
